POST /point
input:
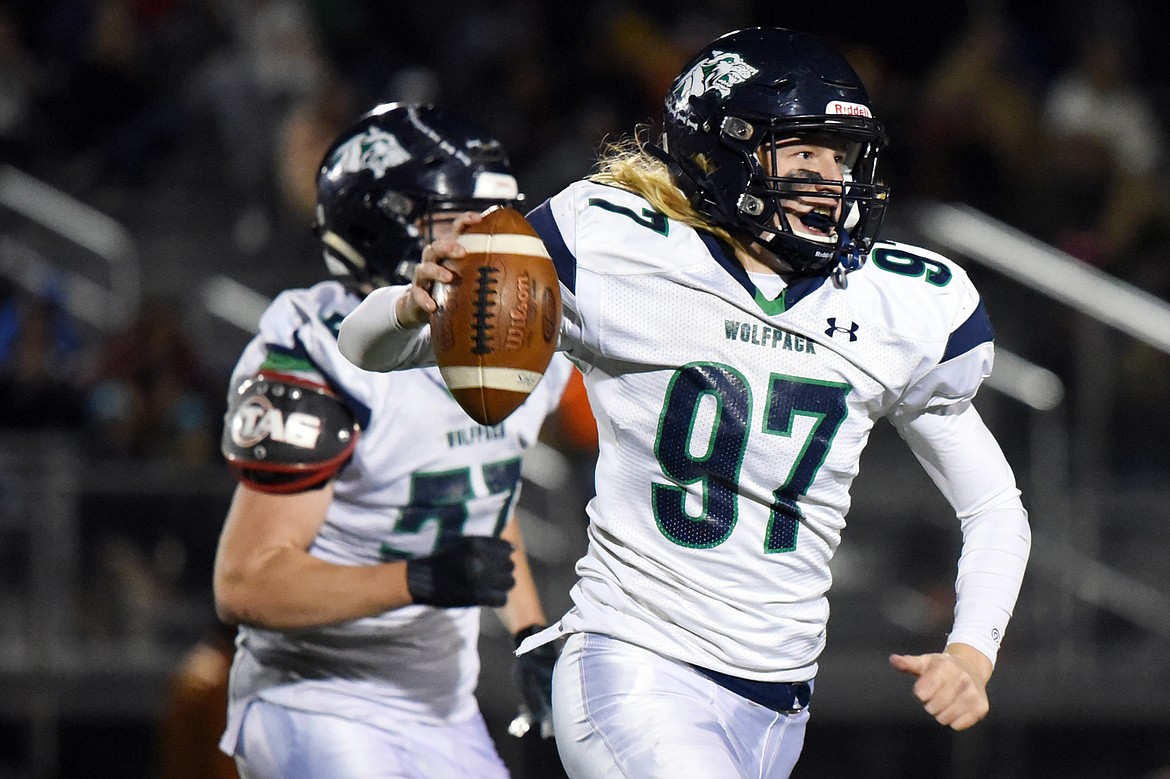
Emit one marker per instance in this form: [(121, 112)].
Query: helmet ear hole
[(737, 129), (395, 204), (751, 205)]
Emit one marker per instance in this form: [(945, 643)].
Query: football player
[(741, 330), (373, 517)]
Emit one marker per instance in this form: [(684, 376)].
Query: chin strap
[(849, 259), (660, 154), (684, 181)]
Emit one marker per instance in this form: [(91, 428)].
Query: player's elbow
[(234, 607), (353, 345), (256, 594), (230, 605), (235, 595), (226, 614)]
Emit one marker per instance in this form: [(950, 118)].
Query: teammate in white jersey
[(373, 517), (741, 330)]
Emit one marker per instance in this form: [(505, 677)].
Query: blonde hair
[(625, 163)]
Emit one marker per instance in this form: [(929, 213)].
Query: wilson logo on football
[(256, 420), (518, 316)]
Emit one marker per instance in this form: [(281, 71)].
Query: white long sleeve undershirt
[(372, 338), (966, 463)]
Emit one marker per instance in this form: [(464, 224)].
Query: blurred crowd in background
[(1052, 119), (199, 126)]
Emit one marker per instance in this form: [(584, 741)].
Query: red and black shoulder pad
[(284, 434)]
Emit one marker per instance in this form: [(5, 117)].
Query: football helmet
[(728, 107), (393, 166)]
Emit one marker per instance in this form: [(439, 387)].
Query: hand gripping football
[(497, 324)]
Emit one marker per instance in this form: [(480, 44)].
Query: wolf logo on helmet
[(376, 150), (720, 72)]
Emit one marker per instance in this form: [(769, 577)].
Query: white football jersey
[(731, 423), (423, 473)]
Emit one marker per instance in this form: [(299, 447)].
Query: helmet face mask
[(384, 177), (750, 93)]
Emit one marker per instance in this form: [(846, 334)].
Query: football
[(497, 324)]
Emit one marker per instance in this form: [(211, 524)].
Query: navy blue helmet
[(393, 166), (749, 89)]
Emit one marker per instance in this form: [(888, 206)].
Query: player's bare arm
[(523, 608), (265, 577)]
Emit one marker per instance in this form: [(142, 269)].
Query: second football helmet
[(740, 95), (393, 166)]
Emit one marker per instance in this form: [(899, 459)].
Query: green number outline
[(718, 468), (441, 497), (912, 265), (650, 219)]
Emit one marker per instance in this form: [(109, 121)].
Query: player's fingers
[(945, 688), (970, 706), (465, 219), (968, 718), (962, 713), (436, 252), (928, 690), (421, 299), (944, 681), (909, 664), (956, 719), (447, 249), (956, 703), (428, 255), (427, 273)]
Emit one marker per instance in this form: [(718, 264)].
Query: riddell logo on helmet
[(848, 109)]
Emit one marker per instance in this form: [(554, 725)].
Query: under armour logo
[(851, 330)]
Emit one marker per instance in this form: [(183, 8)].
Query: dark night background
[(178, 141)]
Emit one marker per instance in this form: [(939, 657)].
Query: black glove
[(474, 571), (534, 672)]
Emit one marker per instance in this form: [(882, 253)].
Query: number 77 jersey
[(731, 421)]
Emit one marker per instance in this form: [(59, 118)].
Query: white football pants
[(621, 711), (282, 743)]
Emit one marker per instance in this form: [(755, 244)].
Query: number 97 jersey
[(731, 420)]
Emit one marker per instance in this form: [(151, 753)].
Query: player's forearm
[(523, 608), (372, 338), (967, 464), (288, 589), (996, 546)]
